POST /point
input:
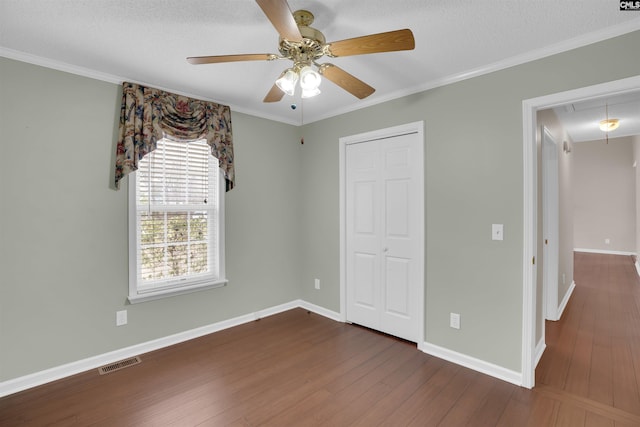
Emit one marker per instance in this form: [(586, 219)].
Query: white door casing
[(382, 229), (550, 218)]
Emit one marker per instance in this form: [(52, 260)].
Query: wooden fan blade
[(279, 14), (274, 95), (230, 58), (346, 81), (374, 43)]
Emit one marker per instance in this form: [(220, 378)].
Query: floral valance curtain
[(149, 114)]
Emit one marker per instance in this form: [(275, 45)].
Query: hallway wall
[(549, 119), (605, 196)]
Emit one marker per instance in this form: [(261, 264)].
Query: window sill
[(170, 292)]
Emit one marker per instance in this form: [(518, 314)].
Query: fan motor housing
[(312, 45)]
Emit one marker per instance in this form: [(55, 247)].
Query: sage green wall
[(63, 230), (63, 257), (474, 177)]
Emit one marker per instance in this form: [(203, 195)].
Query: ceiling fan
[(304, 45)]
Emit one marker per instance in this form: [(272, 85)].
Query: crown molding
[(118, 80)]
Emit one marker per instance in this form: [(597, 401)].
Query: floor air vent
[(116, 366)]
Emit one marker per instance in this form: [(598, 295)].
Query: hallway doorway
[(533, 344)]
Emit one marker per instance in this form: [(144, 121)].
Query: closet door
[(384, 238)]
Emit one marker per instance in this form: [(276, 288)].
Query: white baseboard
[(38, 378), (603, 251), (540, 348), (320, 310), (565, 300), (481, 366)]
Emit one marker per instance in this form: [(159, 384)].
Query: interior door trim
[(530, 215)]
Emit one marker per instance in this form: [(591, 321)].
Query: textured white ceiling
[(147, 41)]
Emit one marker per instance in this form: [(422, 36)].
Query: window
[(176, 221)]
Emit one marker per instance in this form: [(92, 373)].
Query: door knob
[(385, 249)]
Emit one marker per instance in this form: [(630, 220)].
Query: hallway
[(593, 352)]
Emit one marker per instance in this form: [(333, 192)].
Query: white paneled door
[(384, 200), (550, 224)]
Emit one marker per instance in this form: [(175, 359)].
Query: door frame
[(390, 132), (530, 215), (550, 224)]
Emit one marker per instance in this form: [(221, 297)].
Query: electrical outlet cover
[(121, 317)]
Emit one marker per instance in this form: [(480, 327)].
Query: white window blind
[(177, 218)]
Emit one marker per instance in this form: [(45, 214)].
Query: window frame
[(179, 287)]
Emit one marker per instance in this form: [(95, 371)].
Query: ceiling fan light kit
[(304, 45), (309, 81)]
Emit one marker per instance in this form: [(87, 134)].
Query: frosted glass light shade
[(308, 93), (309, 78), (287, 81)]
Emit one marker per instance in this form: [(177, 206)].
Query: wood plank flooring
[(593, 353), (300, 369)]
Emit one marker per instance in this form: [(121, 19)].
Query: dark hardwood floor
[(298, 369), (593, 353)]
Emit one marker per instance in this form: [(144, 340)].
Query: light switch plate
[(497, 232), (454, 320)]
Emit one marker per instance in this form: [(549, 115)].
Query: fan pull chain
[(606, 110), (301, 119)]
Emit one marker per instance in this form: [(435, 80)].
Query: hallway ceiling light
[(608, 125)]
